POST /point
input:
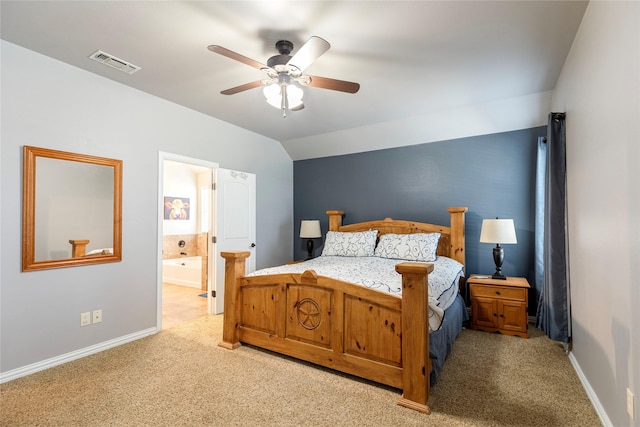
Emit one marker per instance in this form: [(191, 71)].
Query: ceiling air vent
[(114, 62)]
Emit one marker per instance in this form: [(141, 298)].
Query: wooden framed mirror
[(71, 209)]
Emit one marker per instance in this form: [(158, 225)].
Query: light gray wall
[(46, 103), (599, 89)]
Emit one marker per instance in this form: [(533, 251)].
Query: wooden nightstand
[(499, 305)]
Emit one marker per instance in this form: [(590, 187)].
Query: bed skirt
[(441, 341)]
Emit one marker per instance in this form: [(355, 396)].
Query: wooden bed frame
[(340, 325), (79, 249)]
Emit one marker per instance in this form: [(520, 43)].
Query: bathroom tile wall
[(194, 245)]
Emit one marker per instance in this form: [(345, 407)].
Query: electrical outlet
[(630, 403), (97, 316), (85, 319)]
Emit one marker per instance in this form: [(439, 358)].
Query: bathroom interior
[(185, 237)]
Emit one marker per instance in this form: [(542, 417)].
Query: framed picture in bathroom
[(176, 208)]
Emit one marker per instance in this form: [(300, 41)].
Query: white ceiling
[(412, 59)]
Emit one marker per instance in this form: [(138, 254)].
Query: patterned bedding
[(379, 274)]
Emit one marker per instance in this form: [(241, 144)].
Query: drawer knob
[(497, 292), (495, 314)]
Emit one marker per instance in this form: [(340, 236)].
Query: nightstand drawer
[(498, 292)]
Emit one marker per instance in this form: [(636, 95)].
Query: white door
[(235, 224)]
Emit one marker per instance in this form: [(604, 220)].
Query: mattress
[(379, 274)]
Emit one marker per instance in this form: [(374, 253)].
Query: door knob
[(253, 245)]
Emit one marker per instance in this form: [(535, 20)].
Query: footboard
[(335, 324)]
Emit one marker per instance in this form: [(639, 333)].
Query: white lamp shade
[(273, 94), (294, 96), (498, 231), (310, 229)]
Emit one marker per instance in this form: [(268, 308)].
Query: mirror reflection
[(71, 209)]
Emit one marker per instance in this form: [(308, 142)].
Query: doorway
[(185, 226), (204, 210)]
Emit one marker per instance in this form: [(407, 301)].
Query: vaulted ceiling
[(419, 63)]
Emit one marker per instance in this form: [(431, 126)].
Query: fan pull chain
[(285, 99)]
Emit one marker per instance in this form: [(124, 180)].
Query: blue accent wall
[(492, 175)]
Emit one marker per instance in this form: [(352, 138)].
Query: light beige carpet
[(180, 377)]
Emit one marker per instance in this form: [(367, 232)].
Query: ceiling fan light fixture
[(283, 69), (294, 96), (273, 95)]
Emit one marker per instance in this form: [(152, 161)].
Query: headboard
[(451, 242)]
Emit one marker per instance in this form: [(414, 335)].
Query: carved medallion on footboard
[(309, 315)]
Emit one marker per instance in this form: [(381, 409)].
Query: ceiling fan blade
[(298, 108), (236, 56), (309, 52), (333, 84), (242, 88)]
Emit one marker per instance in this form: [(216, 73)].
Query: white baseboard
[(590, 392), (64, 358)]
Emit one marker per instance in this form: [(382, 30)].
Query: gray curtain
[(552, 287)]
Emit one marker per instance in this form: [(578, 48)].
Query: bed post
[(416, 364), (457, 233), (78, 248), (234, 270), (335, 220)]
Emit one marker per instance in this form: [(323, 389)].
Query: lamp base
[(309, 250), (498, 258)]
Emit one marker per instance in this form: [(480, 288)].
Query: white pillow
[(410, 247), (359, 243)]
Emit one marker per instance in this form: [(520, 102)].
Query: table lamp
[(310, 229), (498, 231)]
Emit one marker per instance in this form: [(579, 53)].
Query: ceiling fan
[(284, 70)]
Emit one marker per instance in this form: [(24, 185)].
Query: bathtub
[(186, 271)]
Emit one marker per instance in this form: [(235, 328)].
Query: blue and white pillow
[(410, 247), (357, 243)]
